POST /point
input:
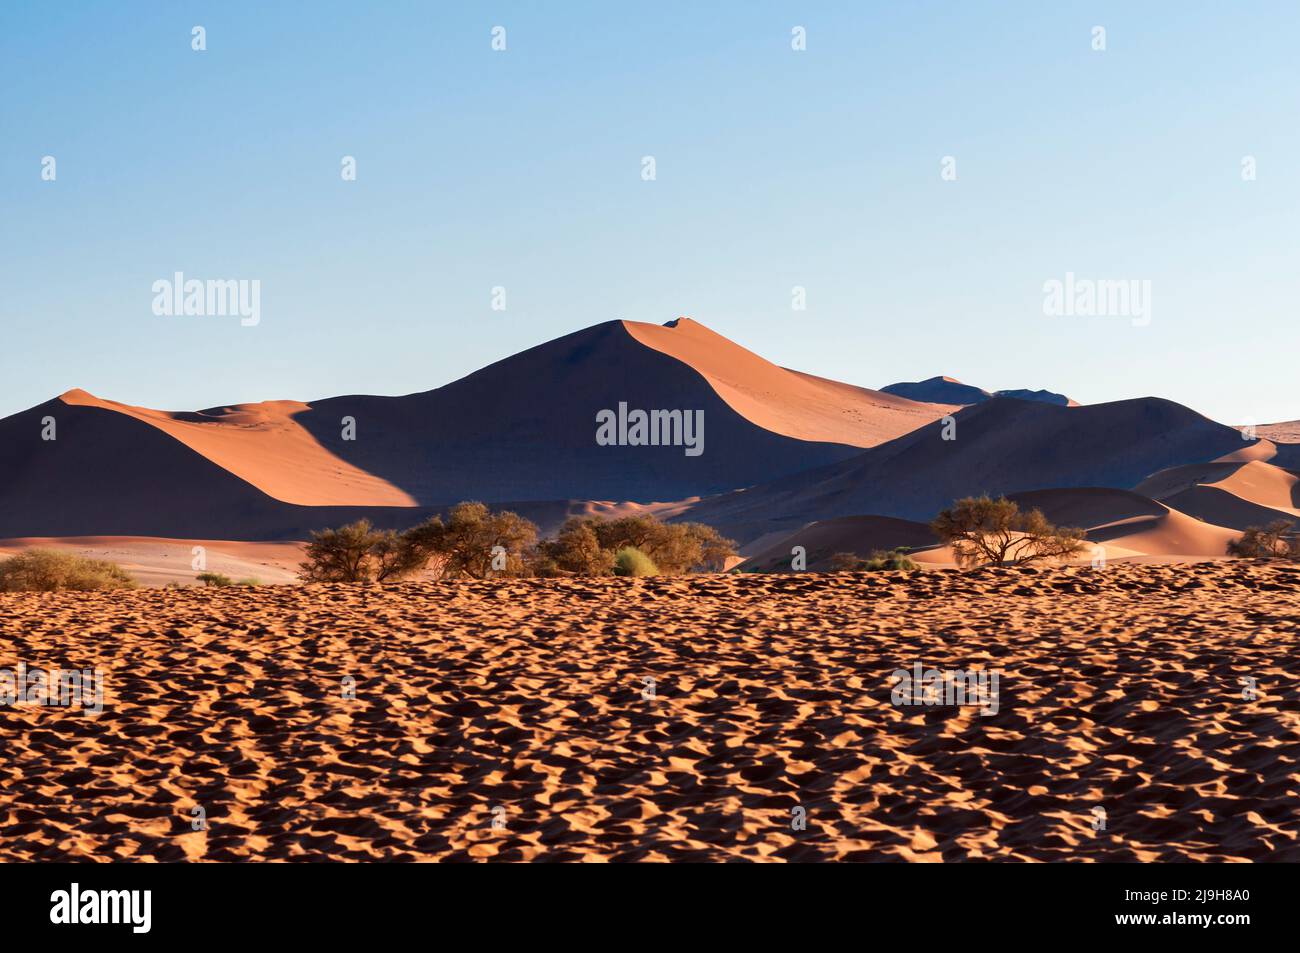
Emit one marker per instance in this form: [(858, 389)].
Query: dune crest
[(1230, 494), (263, 445), (784, 401)]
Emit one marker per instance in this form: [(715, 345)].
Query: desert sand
[(524, 702), (160, 562)]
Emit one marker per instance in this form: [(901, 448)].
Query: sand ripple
[(524, 703)]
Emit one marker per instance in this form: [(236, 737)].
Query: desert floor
[(512, 720)]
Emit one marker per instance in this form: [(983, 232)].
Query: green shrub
[(630, 561), (877, 561), (586, 546), (250, 581), (358, 552), (475, 542), (1264, 542), (893, 559), (214, 579), (846, 562), (47, 570)]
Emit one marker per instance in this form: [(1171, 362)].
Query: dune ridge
[(521, 429), (264, 445), (784, 401)]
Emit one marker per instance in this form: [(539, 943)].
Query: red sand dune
[(784, 401), (263, 445), (521, 429), (1127, 526), (1235, 495), (1001, 446)]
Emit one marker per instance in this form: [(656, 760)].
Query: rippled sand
[(524, 703)]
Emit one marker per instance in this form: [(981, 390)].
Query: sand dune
[(1232, 494), (1173, 534), (524, 702), (1258, 482), (1001, 446), (1259, 449), (263, 445), (1127, 525), (521, 429), (1089, 506), (784, 401)]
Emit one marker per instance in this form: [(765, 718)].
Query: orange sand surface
[(785, 401), (153, 561), (525, 702), (264, 445)]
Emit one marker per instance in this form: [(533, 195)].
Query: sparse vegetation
[(358, 552), (48, 570), (466, 545), (478, 543), (576, 551), (474, 542), (985, 531), (630, 561), (214, 579), (588, 546), (879, 560), (1276, 540)]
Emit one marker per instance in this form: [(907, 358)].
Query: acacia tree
[(358, 552), (1262, 542), (466, 545), (984, 531), (588, 546), (575, 550)]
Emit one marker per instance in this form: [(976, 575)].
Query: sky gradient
[(775, 169)]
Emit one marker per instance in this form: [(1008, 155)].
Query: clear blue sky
[(775, 168)]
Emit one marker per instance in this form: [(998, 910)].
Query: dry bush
[(467, 544), (879, 559), (984, 531), (588, 546), (48, 570), (1275, 540), (358, 552)]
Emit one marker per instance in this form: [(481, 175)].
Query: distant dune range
[(522, 429), (949, 390), (852, 469), (1001, 446)]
